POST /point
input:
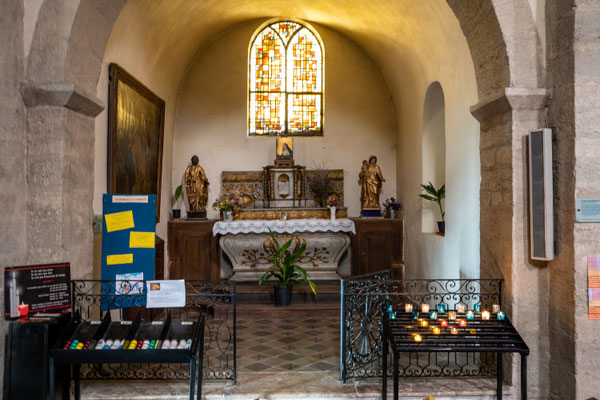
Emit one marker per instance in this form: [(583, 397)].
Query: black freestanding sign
[(36, 288)]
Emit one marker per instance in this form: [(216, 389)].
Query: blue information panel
[(128, 247)]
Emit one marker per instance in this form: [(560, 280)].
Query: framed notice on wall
[(37, 288), (593, 287)]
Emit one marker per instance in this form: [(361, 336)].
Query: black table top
[(488, 336)]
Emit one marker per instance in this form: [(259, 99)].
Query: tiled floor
[(277, 345)]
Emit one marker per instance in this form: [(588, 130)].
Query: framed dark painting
[(136, 118)]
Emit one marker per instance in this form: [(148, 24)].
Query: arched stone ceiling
[(401, 36)]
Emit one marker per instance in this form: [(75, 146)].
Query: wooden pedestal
[(193, 250), (377, 245)]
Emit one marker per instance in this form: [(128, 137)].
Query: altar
[(249, 247)]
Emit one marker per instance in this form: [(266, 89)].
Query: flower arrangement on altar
[(228, 202), (332, 201), (392, 205)]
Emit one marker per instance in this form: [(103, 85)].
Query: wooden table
[(491, 336)]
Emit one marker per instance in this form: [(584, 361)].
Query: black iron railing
[(216, 299), (365, 298)]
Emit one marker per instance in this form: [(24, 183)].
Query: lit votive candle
[(418, 338), (389, 308), (433, 314), (500, 316), (441, 308), (477, 308), (436, 330), (472, 331), (392, 314), (451, 314), (470, 314), (462, 323), (424, 307), (454, 330), (444, 323), (485, 315), (460, 308), (496, 308), (423, 322), (408, 307), (415, 314)]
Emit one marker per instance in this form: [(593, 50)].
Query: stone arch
[(65, 61)]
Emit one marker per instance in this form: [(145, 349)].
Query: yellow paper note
[(115, 259), (141, 240), (119, 221)]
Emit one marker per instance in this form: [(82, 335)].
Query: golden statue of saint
[(370, 179), (196, 186)]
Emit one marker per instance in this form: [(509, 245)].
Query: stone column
[(506, 119)]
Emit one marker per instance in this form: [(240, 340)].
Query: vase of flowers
[(332, 203), (228, 204), (392, 208)]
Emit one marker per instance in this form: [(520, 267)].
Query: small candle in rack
[(415, 314), (460, 308), (436, 330), (444, 323), (441, 308), (433, 314), (500, 316), (477, 308), (392, 314), (408, 307), (496, 308), (418, 338), (472, 331), (424, 307), (454, 330), (451, 314), (485, 315), (423, 322), (462, 323), (470, 314)]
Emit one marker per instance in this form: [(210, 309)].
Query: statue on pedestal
[(370, 179), (196, 188)]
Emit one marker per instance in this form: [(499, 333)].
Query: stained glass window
[(286, 82)]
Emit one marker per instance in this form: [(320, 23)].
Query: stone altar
[(250, 248)]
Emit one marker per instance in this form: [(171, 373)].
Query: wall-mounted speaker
[(541, 198)]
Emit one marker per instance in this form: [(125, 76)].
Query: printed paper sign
[(128, 283), (593, 288), (164, 294), (119, 221), (115, 259), (144, 240), (130, 199)]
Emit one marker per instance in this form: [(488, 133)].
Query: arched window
[(434, 151), (286, 81)]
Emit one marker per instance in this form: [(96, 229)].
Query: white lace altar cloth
[(280, 226)]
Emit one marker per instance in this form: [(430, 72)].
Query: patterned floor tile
[(310, 344)]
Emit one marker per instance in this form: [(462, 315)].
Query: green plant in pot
[(177, 196), (286, 272), (436, 195)]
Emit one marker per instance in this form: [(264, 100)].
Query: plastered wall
[(211, 116)]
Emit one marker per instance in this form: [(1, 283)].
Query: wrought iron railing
[(365, 298), (216, 299)]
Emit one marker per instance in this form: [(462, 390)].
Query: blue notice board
[(128, 247)]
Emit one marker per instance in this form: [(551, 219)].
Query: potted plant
[(392, 208), (436, 195), (177, 195), (286, 272), (228, 204), (332, 203)]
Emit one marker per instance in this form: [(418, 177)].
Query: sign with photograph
[(36, 288)]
